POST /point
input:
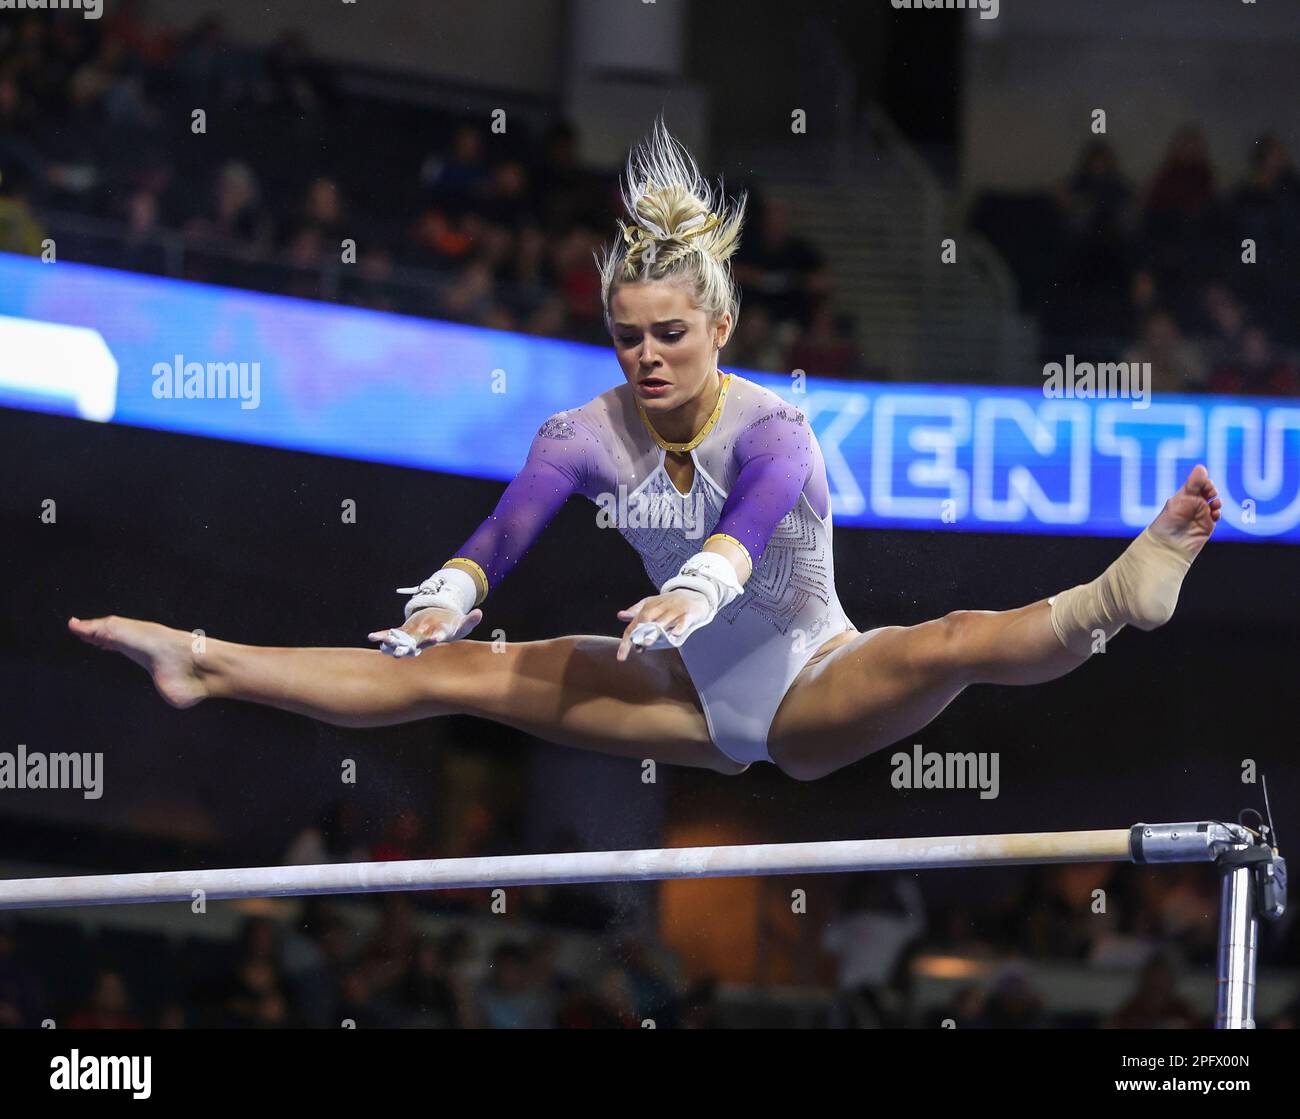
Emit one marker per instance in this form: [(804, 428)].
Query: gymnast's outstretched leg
[(569, 690), (881, 686)]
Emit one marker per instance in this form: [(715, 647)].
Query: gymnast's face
[(666, 345)]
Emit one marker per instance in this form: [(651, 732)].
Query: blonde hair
[(681, 229)]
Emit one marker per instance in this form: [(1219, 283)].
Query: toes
[(1198, 480), (98, 629)]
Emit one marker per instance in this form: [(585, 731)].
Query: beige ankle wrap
[(1140, 588)]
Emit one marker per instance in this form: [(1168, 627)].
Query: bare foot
[(166, 654), (1190, 515)]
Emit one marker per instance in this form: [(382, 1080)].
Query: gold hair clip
[(645, 241)]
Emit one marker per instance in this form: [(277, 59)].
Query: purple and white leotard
[(760, 481)]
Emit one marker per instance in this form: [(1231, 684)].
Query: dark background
[(247, 543)]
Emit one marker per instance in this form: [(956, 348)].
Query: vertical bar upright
[(1238, 941)]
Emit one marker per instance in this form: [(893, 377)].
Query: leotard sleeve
[(774, 455), (556, 467)]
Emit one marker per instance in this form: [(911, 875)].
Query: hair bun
[(680, 226)]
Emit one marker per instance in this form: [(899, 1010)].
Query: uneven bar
[(1112, 845)]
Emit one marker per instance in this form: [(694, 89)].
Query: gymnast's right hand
[(434, 625)]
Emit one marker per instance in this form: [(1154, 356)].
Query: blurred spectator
[(1055, 910), (565, 192), (1013, 1003), (109, 1007), (336, 838), (510, 998), (1183, 238), (1143, 299), (779, 270), (17, 120), (1266, 209), (1096, 196), (372, 283), (256, 999), (1097, 253), (1266, 206), (507, 197), (429, 997), (1155, 1005), (406, 837), (206, 65), (1289, 1018), (574, 907), (827, 348), (254, 994), (471, 296), (141, 250), (389, 950), (110, 88), (603, 1004), (172, 1016), (755, 343), (127, 22), (305, 254), (699, 1006), (1183, 185), (291, 80), (1176, 364), (259, 939), (494, 247), (357, 1003), (20, 992), (1258, 369), (652, 993), (967, 1009), (1187, 901), (579, 284), (141, 214), (528, 278), (462, 175), (458, 957), (322, 209), (1224, 319), (237, 213), (882, 915), (1132, 931), (20, 229), (318, 987), (437, 239), (92, 80)]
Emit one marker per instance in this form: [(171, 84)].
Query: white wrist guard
[(712, 575), (450, 588)]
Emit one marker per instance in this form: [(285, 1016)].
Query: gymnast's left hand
[(662, 621)]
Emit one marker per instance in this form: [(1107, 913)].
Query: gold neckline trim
[(682, 448)]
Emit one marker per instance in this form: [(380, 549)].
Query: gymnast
[(744, 653)]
